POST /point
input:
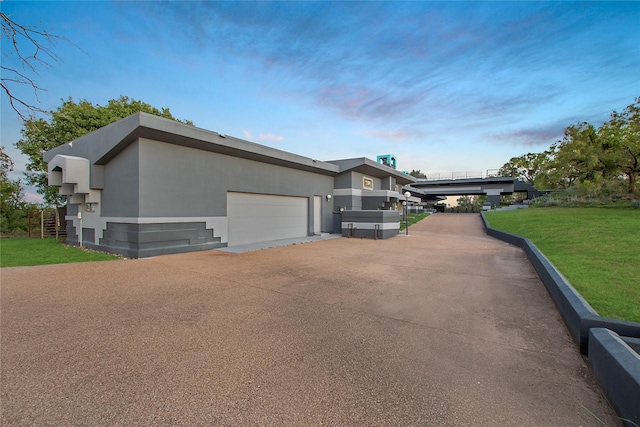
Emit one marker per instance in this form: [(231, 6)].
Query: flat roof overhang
[(117, 136), (369, 167)]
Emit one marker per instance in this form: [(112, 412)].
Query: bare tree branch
[(33, 49)]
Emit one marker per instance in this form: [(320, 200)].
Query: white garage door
[(260, 218)]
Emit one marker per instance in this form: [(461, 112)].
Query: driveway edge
[(614, 363)]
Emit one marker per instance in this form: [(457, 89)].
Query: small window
[(367, 183), (90, 207)]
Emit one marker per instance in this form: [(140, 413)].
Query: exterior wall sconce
[(328, 197)]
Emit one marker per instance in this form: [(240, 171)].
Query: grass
[(596, 249), (27, 252), (413, 218)]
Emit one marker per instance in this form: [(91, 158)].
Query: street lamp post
[(406, 213)]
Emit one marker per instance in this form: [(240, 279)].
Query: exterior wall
[(373, 202), (388, 183), (164, 198), (350, 194), (370, 224), (120, 194), (177, 181), (342, 181), (152, 239)]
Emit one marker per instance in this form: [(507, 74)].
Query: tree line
[(601, 161)]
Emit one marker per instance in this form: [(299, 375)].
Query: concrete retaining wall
[(616, 366), (612, 345), (370, 224), (578, 315)]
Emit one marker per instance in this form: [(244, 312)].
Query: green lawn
[(24, 252), (596, 249), (413, 218)]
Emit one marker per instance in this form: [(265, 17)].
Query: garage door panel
[(259, 217)]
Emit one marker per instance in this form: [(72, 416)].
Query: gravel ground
[(444, 327)]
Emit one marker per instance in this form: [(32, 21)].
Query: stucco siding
[(120, 194), (181, 181)]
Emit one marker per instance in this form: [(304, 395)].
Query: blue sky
[(445, 86)]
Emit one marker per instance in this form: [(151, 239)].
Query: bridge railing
[(436, 176)]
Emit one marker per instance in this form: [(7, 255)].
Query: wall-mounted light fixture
[(328, 197)]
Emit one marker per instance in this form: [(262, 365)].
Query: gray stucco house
[(147, 186)]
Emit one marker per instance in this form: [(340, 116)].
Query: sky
[(446, 86)]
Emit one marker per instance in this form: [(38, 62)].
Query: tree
[(11, 196), (417, 173), (527, 167), (68, 122), (620, 140), (33, 49), (469, 203), (575, 158), (599, 161)]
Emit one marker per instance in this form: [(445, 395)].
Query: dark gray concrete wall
[(494, 200), (145, 240), (343, 180), (373, 203), (616, 366), (578, 315), (370, 224), (347, 202)]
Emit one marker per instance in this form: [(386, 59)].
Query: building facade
[(146, 186)]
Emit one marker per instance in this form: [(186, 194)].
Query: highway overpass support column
[(493, 197)]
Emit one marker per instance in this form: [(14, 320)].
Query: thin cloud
[(268, 137), (247, 134), (536, 137), (392, 135), (468, 64)]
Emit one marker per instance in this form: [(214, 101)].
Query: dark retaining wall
[(616, 366), (612, 345), (376, 224), (578, 315)]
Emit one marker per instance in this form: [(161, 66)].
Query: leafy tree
[(70, 121), (417, 173), (576, 157), (527, 167), (598, 161), (620, 140), (11, 200), (470, 203)]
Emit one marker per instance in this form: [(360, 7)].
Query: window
[(367, 183)]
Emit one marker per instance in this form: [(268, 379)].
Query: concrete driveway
[(445, 327)]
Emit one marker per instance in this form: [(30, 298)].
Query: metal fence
[(38, 224)]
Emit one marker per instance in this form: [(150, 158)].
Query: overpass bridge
[(493, 187)]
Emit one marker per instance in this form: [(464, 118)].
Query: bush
[(586, 196)]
